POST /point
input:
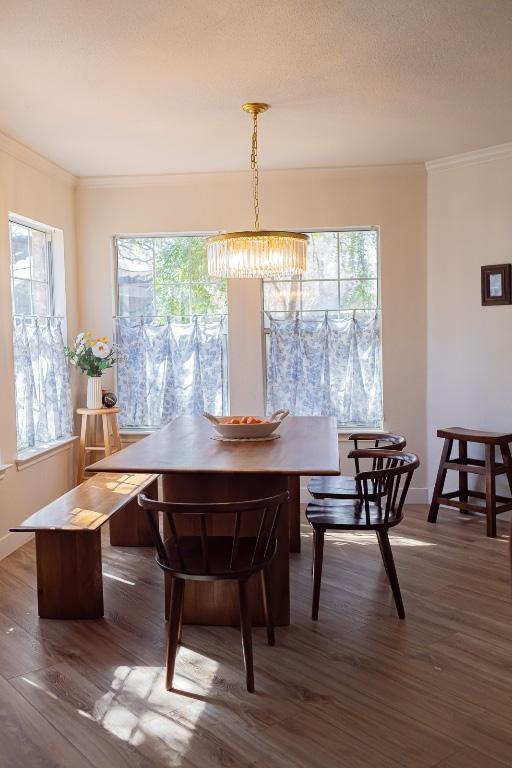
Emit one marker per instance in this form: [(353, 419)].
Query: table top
[(308, 446)]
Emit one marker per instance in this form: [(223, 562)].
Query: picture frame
[(496, 282)]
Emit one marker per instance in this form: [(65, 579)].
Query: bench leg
[(69, 579), (129, 526), (441, 476)]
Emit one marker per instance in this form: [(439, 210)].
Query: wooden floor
[(357, 689)]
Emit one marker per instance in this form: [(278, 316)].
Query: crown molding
[(31, 158), (198, 177), (498, 152)]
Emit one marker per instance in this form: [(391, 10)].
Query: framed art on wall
[(496, 284)]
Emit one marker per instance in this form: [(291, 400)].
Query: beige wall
[(469, 346), (394, 198), (31, 187)]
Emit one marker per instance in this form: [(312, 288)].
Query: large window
[(171, 329), (43, 398), (322, 332)]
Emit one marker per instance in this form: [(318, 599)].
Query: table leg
[(216, 603), (129, 526), (69, 579)]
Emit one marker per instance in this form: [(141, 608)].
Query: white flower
[(100, 349), (80, 343)]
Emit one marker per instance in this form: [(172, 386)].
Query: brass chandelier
[(257, 252)]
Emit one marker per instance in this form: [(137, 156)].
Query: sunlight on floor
[(138, 706)]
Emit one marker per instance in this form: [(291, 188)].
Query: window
[(171, 330), (31, 270), (160, 276), (322, 332), (43, 397)]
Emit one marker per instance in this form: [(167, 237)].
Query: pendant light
[(257, 252)]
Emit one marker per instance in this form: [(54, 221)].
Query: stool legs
[(490, 490), (441, 476), (81, 451)]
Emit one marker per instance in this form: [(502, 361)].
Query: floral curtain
[(329, 366), (166, 370), (43, 395)]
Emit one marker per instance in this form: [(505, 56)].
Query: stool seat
[(464, 498), (474, 435)]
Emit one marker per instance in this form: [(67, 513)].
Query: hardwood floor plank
[(28, 739), (357, 689)]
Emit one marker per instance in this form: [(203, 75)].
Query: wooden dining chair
[(378, 507), (344, 486), (192, 553)]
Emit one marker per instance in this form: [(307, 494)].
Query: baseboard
[(414, 496), (11, 541)]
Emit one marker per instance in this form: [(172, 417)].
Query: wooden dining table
[(197, 467)]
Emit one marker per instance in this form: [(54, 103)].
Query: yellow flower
[(88, 334), (104, 339)]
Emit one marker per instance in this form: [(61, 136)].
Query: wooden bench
[(68, 541)]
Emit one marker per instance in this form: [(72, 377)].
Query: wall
[(469, 360), (392, 197), (32, 187)]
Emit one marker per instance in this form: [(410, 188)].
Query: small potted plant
[(93, 357)]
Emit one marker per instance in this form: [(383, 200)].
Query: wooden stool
[(464, 465), (111, 436)]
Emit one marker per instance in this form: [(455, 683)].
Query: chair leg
[(246, 630), (267, 607), (178, 588), (180, 629), (317, 570), (245, 627), (389, 565), (383, 554)]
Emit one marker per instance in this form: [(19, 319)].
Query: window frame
[(48, 233), (265, 330), (117, 316)]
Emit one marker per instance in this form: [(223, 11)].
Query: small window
[(31, 271), (43, 395)]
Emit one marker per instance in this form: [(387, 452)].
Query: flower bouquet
[(92, 356)]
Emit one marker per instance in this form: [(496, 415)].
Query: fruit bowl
[(239, 431)]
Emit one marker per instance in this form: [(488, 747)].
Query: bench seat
[(68, 540)]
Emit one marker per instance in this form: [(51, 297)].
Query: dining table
[(196, 466)]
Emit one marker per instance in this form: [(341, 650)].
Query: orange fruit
[(235, 421)]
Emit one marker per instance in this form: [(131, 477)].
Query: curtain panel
[(327, 367), (170, 369), (43, 395)]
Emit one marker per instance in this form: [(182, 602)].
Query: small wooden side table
[(111, 436), (489, 468)]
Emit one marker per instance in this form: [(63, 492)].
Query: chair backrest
[(387, 485), (243, 541), (382, 441)]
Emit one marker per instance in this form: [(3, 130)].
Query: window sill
[(31, 456), (3, 470), (132, 435)]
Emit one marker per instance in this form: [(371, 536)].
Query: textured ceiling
[(155, 86)]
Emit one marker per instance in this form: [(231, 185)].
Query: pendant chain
[(254, 168)]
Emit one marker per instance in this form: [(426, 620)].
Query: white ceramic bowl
[(237, 431)]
